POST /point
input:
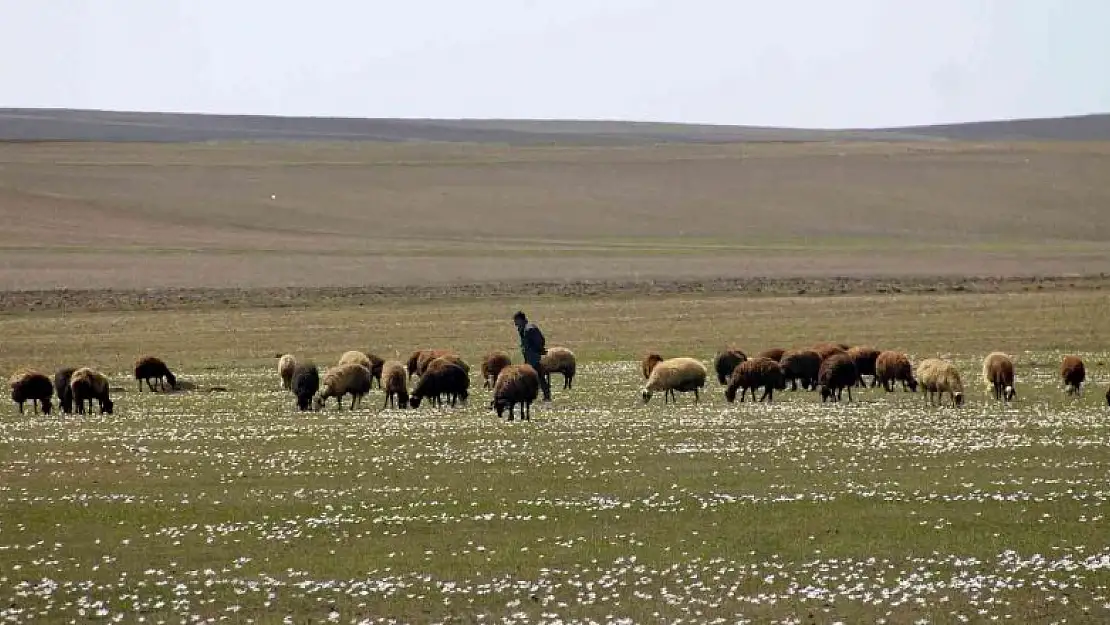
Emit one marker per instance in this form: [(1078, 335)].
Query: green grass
[(184, 505)]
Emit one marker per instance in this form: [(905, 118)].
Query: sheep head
[(958, 399), (645, 394), (1009, 393), (730, 394)]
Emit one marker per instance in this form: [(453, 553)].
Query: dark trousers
[(545, 386)]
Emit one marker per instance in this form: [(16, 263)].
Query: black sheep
[(150, 369), (306, 381)]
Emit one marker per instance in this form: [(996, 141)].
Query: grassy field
[(253, 215), (231, 507)]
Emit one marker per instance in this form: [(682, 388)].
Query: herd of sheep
[(442, 376), (836, 368)]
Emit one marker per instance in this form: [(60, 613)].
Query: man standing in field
[(532, 347)]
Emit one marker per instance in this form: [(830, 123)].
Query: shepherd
[(532, 347)]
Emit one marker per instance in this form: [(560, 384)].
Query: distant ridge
[(123, 126)]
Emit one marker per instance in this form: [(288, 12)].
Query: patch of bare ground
[(316, 297)]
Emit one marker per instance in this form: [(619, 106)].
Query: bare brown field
[(264, 215)]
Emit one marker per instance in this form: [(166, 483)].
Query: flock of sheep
[(833, 368), (442, 376)]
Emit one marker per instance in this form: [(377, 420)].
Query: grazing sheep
[(891, 367), (353, 357), (755, 373), (837, 372), (801, 366), (419, 360), (32, 386), (62, 390), (998, 375), (286, 364), (149, 368), (305, 382), (492, 365), (441, 377), (1074, 373), (938, 377), (824, 350), (774, 353), (396, 385), (377, 364), (559, 360), (725, 362), (350, 379), (516, 384), (675, 375), (649, 363), (864, 359), (86, 385)]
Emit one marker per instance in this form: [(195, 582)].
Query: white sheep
[(285, 366), (937, 377), (680, 375), (355, 357), (352, 378)]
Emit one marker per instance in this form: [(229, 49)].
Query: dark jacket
[(532, 343)]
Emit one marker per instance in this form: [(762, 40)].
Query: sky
[(813, 64)]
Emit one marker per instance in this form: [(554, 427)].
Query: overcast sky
[(818, 63)]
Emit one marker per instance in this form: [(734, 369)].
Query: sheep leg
[(140, 381), (697, 397), (766, 394), (849, 394)]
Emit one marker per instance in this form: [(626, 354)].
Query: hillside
[(111, 126)]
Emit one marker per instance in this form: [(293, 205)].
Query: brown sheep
[(86, 385), (419, 359), (891, 367), (649, 363), (774, 353), (492, 364), (724, 363), (559, 360), (516, 384), (753, 374), (1074, 373), (441, 377), (32, 386), (864, 359), (62, 389), (149, 368), (377, 364), (998, 375), (801, 366), (838, 372), (824, 350), (396, 385), (350, 378)]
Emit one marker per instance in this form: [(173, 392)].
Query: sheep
[(419, 360), (149, 368), (680, 375), (837, 372), (774, 353), (755, 373), (648, 363), (305, 381), (377, 364), (724, 363), (864, 359), (1074, 373), (998, 375), (396, 385), (801, 366), (492, 365), (559, 360), (938, 377), (88, 384), (28, 385), (824, 350), (62, 390), (891, 367), (516, 384), (441, 377), (349, 379), (368, 360), (353, 357), (286, 364)]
